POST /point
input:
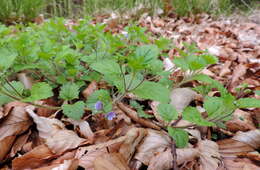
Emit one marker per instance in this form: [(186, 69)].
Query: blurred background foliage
[(26, 10)]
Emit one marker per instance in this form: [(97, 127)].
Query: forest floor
[(44, 142)]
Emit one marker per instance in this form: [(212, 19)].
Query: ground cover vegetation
[(172, 90), (63, 62)]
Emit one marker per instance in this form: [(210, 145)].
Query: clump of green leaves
[(63, 62)]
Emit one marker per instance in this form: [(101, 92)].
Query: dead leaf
[(123, 145), (19, 143), (84, 129), (33, 159), (239, 71), (225, 69), (25, 80), (16, 123), (251, 138), (55, 134), (71, 164), (241, 121), (93, 86), (111, 161), (181, 98), (155, 142), (209, 155)]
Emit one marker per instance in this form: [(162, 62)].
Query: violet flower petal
[(99, 105), (110, 115)]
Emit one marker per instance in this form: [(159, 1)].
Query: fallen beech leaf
[(225, 69), (255, 156), (93, 86), (239, 165), (87, 155), (163, 160), (181, 98), (241, 121), (66, 165), (59, 143), (55, 134), (25, 80), (33, 159), (16, 123), (230, 148), (134, 138), (168, 64), (239, 71), (84, 129), (111, 161), (209, 155), (251, 138), (19, 143), (155, 142)]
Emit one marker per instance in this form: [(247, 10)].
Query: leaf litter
[(131, 142)]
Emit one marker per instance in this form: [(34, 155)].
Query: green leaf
[(5, 99), (69, 91), (257, 92), (217, 107), (100, 95), (248, 103), (149, 52), (106, 67), (139, 109), (167, 112), (180, 136), (191, 114), (214, 84), (39, 91), (16, 87), (153, 91), (74, 111), (7, 58)]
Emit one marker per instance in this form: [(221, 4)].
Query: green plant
[(20, 10), (64, 61)]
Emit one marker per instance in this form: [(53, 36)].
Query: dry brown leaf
[(55, 134), (181, 98), (33, 159), (239, 72), (230, 148), (87, 155), (93, 86), (16, 123), (71, 164), (134, 138), (241, 121), (225, 69), (19, 143), (84, 129), (209, 155), (251, 138), (163, 160), (239, 164), (25, 80), (111, 161), (155, 142)]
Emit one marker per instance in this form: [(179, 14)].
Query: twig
[(134, 116), (174, 156)]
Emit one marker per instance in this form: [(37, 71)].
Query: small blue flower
[(110, 115), (99, 105)]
